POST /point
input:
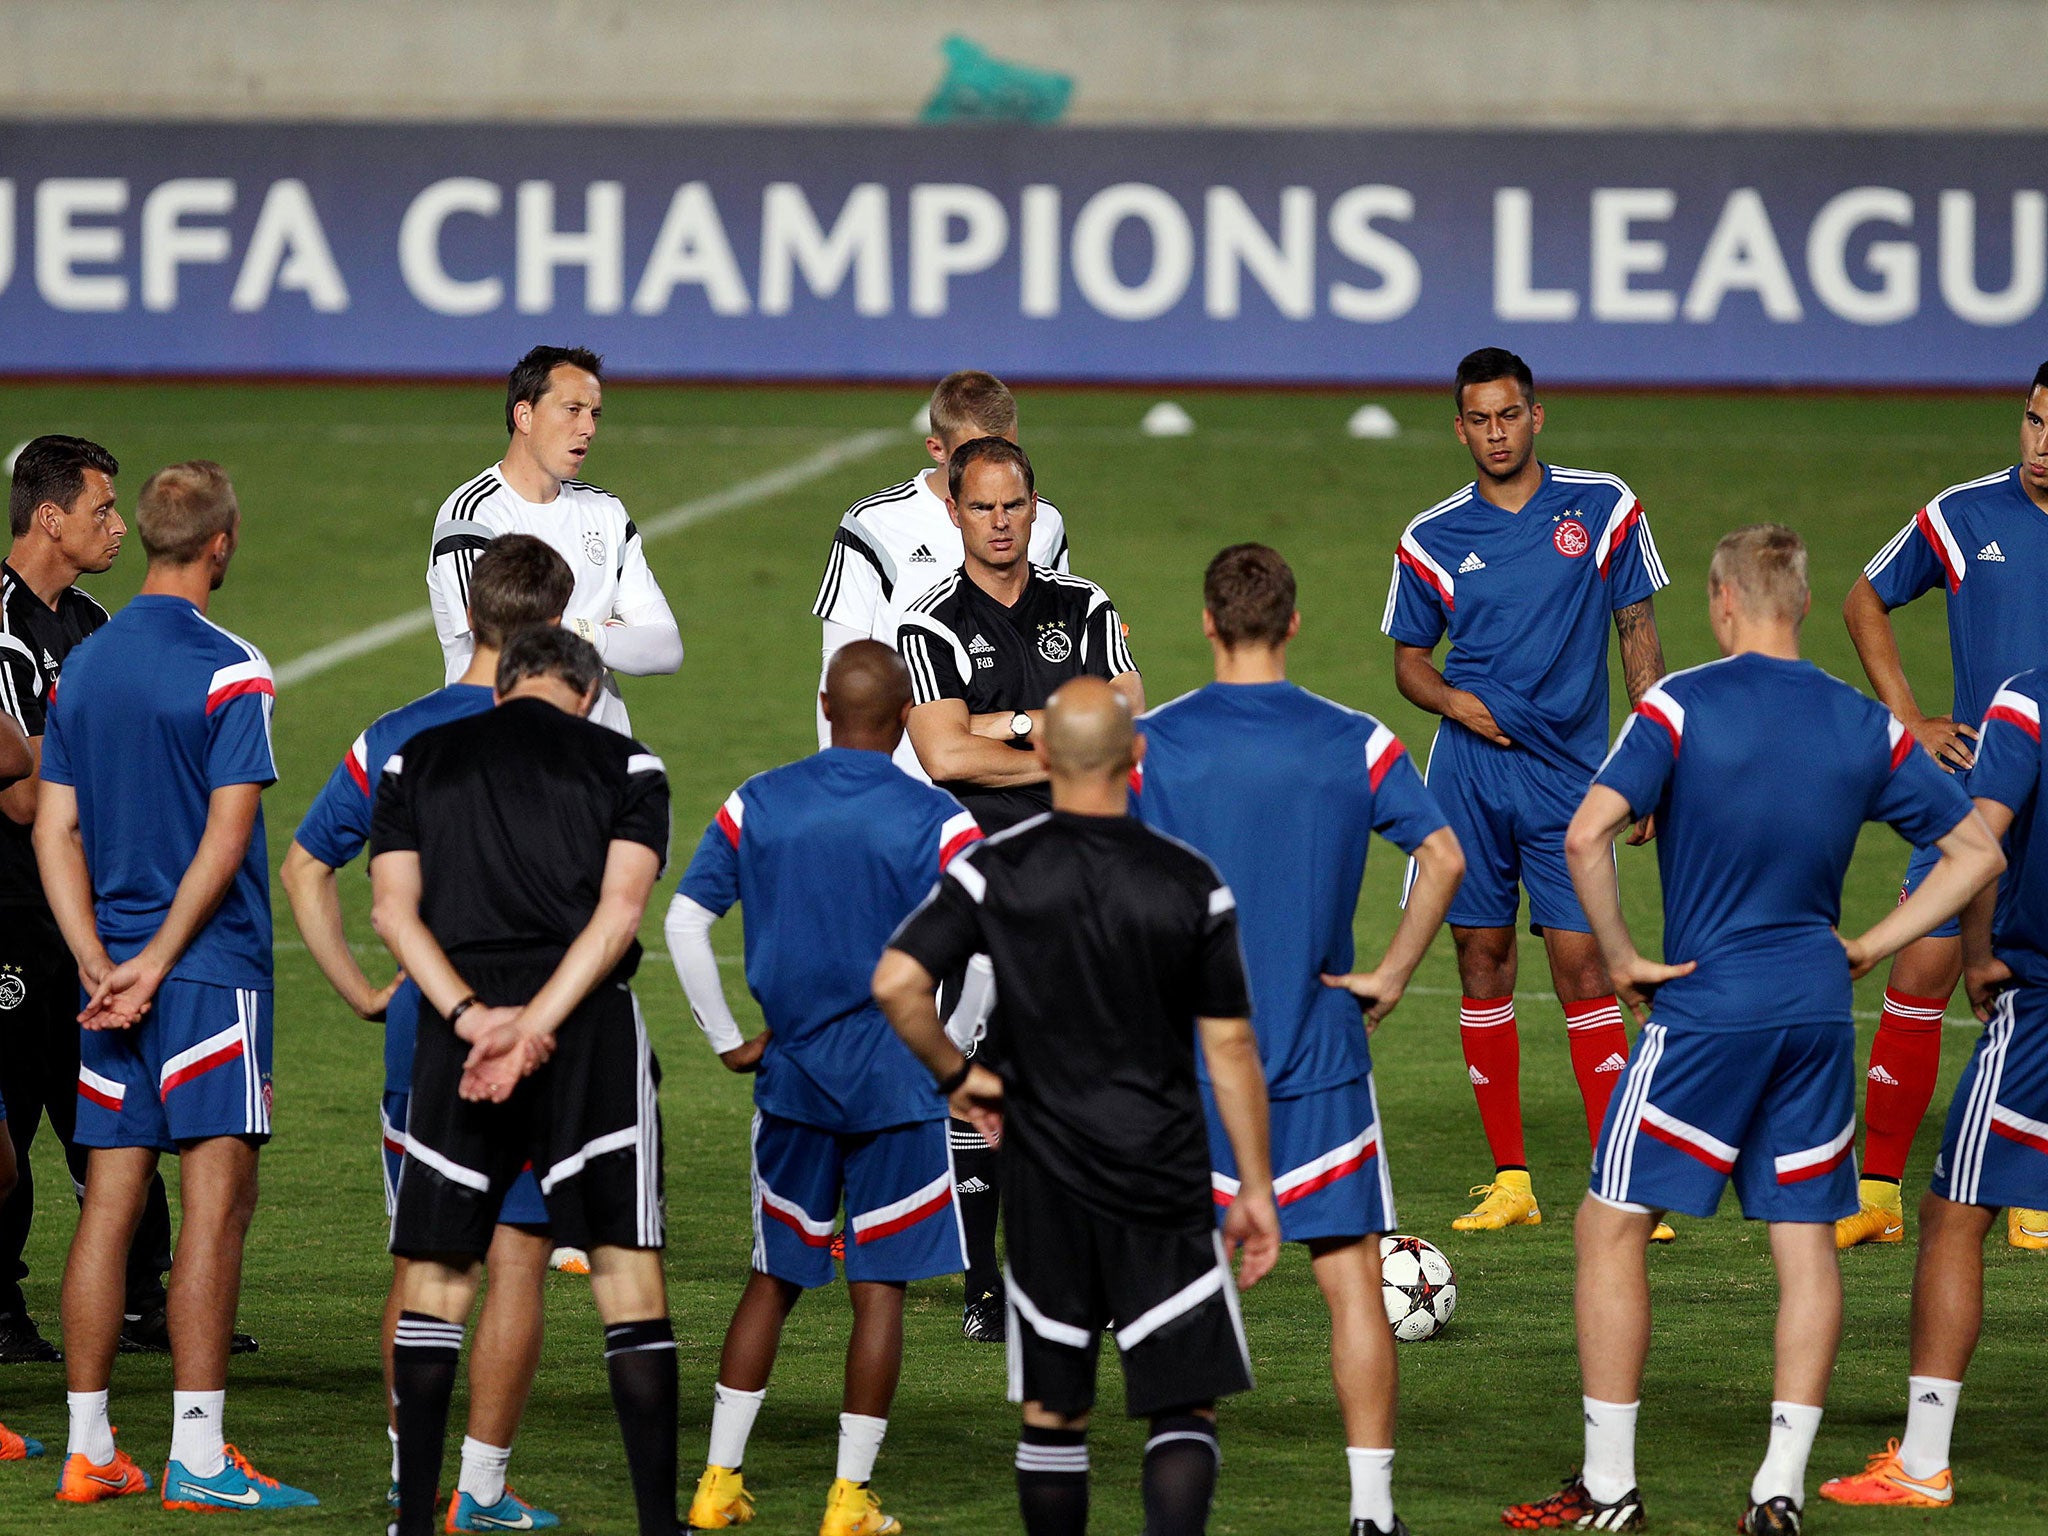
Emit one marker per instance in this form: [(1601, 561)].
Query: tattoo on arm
[(1642, 653)]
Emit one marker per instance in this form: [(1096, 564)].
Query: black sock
[(423, 1379), (974, 1187), (1052, 1481), (1181, 1459), (640, 1358)]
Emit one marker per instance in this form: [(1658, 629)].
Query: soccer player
[(1994, 1150), (1115, 950), (829, 855), (149, 833), (894, 546), (1283, 790), (1745, 1065), (511, 856), (1521, 570), (986, 648), (1985, 544), (65, 525), (518, 581), (553, 400)]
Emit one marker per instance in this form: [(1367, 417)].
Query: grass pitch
[(339, 487)]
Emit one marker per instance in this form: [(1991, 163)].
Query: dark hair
[(518, 580), (2040, 381), (531, 376), (546, 650), (973, 400), (1249, 592), (990, 450), (181, 508), (1488, 364), (52, 469)]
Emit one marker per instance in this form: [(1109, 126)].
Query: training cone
[(1167, 420), (1374, 421)]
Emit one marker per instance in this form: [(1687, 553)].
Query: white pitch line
[(745, 493)]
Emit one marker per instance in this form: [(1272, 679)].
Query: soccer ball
[(1418, 1286)]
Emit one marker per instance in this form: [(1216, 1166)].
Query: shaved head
[(1088, 731), (867, 689)]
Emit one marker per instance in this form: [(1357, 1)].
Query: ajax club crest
[(13, 989), (1054, 643), (1571, 538), (593, 546)]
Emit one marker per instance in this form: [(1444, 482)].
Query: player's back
[(2013, 770), (834, 851), (1276, 787)]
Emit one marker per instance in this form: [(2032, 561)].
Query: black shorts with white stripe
[(588, 1122), (1072, 1272)]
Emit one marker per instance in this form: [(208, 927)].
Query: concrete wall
[(1681, 63)]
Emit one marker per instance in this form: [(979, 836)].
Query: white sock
[(1372, 1485), (1610, 1469), (196, 1441), (1793, 1426), (732, 1420), (483, 1471), (1930, 1418), (860, 1441), (92, 1435), (394, 1451)]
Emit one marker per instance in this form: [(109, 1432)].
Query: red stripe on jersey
[(2012, 716), (1690, 1149), (1656, 716), (1635, 515), (204, 1064), (960, 840), (1138, 779), (1815, 1170), (94, 1095), (1927, 531), (809, 1239), (355, 771), (909, 1218), (235, 690), (1376, 773), (728, 826), (1427, 575), (1902, 749), (2024, 1137), (1328, 1176)]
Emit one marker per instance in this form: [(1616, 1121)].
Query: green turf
[(339, 486)]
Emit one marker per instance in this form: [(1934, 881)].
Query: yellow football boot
[(1884, 1481), (1662, 1233), (1507, 1202), (722, 1501), (1871, 1224), (2026, 1229), (853, 1510)]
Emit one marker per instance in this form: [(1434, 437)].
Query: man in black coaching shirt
[(512, 854), (1114, 949)]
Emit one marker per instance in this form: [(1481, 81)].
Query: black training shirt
[(513, 813), (960, 643), (34, 640), (1109, 941)]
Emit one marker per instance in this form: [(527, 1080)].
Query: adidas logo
[(1779, 1421), (922, 555), (1479, 1078), (1929, 1397), (1991, 551), (1474, 563), (1615, 1062), (1877, 1074), (979, 646), (194, 1412), (970, 1186)]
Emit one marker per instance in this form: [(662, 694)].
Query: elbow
[(1442, 857), (1582, 844), (387, 920)]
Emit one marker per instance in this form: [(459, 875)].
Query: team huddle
[(1044, 1005)]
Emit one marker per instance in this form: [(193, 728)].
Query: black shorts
[(1072, 1272), (587, 1123)]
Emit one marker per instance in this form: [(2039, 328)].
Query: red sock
[(1599, 1053), (1904, 1060), (1493, 1060)]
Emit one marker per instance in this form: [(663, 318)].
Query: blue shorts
[(523, 1206), (1923, 860), (1510, 809), (897, 1186), (1329, 1163), (1994, 1150), (197, 1066), (1776, 1108)]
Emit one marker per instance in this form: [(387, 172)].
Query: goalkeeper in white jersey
[(553, 400)]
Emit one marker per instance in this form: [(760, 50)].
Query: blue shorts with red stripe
[(198, 1065), (1329, 1163), (523, 1205), (1917, 867), (1994, 1150), (896, 1185), (1510, 810), (1775, 1109)]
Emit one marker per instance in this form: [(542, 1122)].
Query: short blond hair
[(1765, 564), (972, 404), (181, 508)]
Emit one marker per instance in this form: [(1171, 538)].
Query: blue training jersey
[(337, 825), (1762, 772), (156, 711), (1526, 598), (1282, 790), (2010, 769), (828, 855), (1985, 544)]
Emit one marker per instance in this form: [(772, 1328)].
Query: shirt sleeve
[(1220, 989), (238, 705), (1628, 555), (55, 767), (1914, 796), (958, 831), (713, 878), (338, 822), (944, 933), (21, 686), (1909, 564), (457, 543), (934, 664), (1404, 812), (855, 586), (391, 821), (643, 805), (1418, 598), (1105, 652), (1640, 766), (2008, 767)]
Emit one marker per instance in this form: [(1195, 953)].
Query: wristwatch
[(1020, 726)]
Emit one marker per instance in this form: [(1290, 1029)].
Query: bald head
[(867, 692), (1088, 732)]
